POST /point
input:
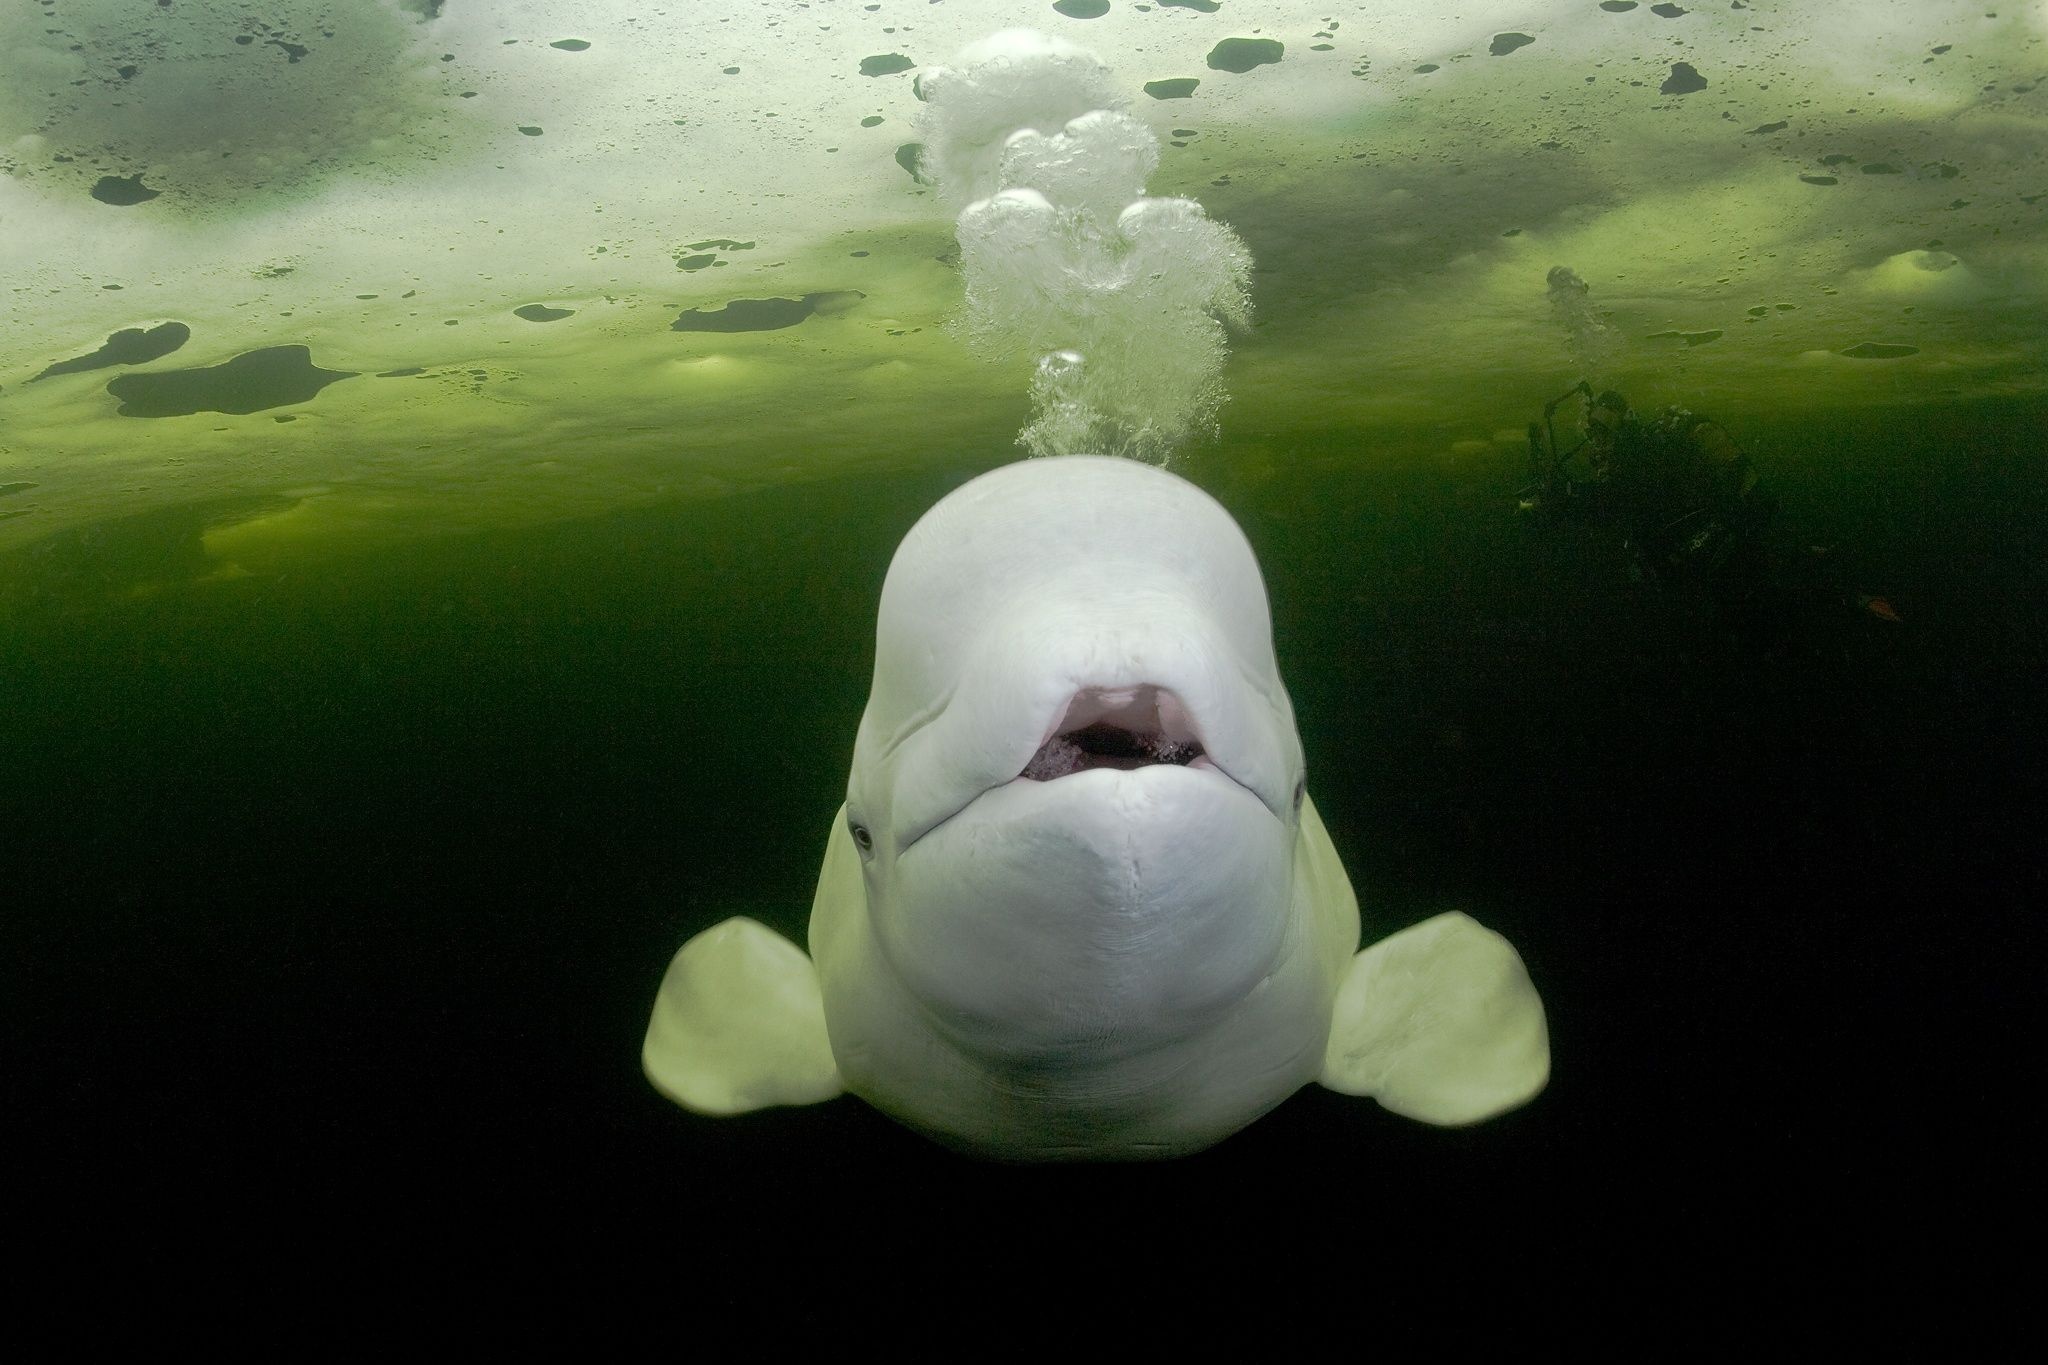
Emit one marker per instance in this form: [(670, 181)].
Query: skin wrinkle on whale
[(1126, 960)]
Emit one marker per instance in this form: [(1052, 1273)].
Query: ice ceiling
[(366, 269)]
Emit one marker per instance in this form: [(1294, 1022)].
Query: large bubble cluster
[(1594, 345), (1120, 300)]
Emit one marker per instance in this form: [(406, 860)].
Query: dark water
[(338, 900)]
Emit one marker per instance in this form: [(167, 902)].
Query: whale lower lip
[(1200, 769)]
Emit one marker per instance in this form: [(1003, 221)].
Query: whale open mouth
[(1118, 727)]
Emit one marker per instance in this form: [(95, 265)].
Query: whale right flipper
[(739, 1024), (1439, 1023)]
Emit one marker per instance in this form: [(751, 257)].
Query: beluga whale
[(1078, 903)]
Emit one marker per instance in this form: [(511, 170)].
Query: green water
[(354, 881)]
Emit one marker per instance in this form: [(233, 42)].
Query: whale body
[(1078, 903)]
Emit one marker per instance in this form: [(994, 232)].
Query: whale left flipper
[(1439, 1023), (739, 1024)]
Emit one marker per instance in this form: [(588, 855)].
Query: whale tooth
[(1117, 727)]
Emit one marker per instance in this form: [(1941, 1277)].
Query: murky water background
[(345, 892)]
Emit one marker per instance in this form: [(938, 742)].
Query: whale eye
[(1300, 793), (865, 840)]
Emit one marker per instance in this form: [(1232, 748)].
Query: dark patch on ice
[(765, 315), (1780, 126), (1838, 159), (129, 346), (1820, 179), (885, 64), (241, 125), (1668, 11), (251, 382), (702, 260), (1177, 88), (1239, 55), (529, 129), (8, 490), (1617, 6), (871, 121), (570, 44), (1683, 80), (540, 312), (123, 190), (1426, 68), (1504, 43), (1081, 9), (1878, 350), (1205, 6), (909, 156), (405, 373)]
